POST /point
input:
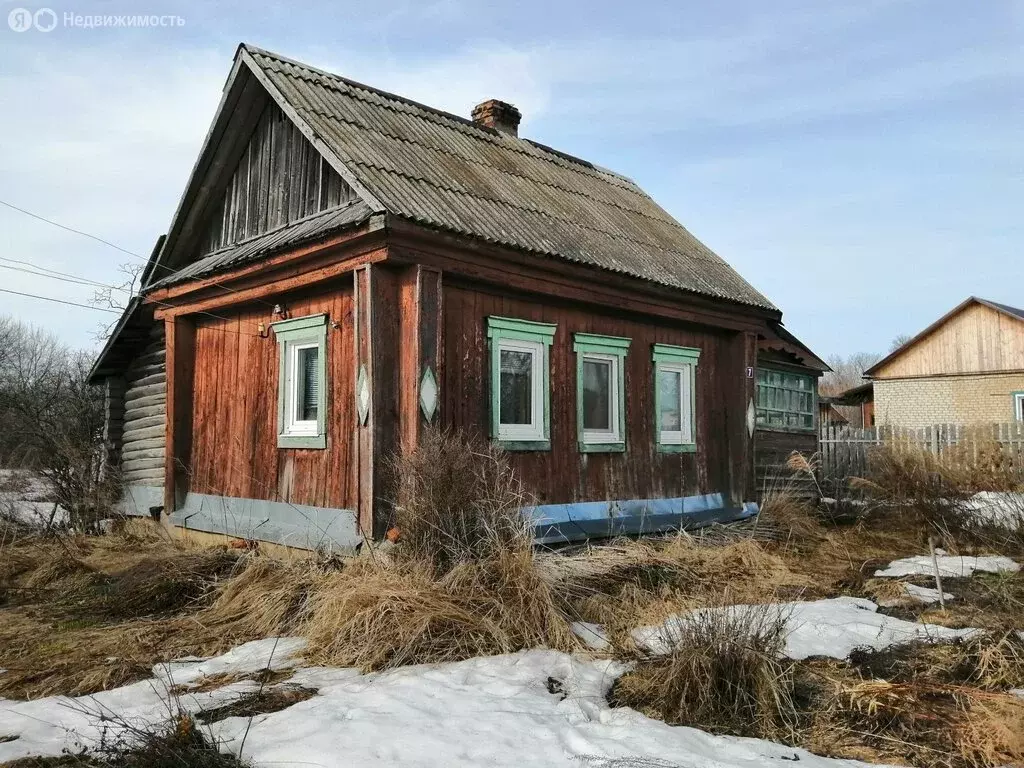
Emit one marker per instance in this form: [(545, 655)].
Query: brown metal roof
[(444, 171)]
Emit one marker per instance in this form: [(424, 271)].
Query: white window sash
[(684, 435), (535, 429), (1018, 402), (293, 426), (611, 435)]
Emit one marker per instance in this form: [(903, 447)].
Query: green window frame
[(610, 351), (679, 362), (295, 337), (786, 401), (524, 338)]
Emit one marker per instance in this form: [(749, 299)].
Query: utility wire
[(117, 247), (64, 278), (60, 301), (71, 229)]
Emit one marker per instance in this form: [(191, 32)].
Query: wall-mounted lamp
[(261, 331)]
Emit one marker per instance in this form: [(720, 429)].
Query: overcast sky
[(861, 163)]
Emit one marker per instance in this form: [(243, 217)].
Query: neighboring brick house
[(965, 368)]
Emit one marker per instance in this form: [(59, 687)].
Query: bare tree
[(117, 295), (846, 372), (899, 341), (51, 420)]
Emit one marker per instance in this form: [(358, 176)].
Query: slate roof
[(290, 235), (447, 172)]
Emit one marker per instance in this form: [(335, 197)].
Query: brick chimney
[(499, 115)]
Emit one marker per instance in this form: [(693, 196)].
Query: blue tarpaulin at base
[(564, 523)]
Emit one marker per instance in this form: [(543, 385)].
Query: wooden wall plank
[(564, 475), (234, 431)]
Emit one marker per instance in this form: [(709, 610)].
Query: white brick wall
[(948, 400)]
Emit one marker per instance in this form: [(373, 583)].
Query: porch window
[(785, 400), (675, 398), (600, 392), (520, 383), (302, 382)]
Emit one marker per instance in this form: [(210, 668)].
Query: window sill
[(302, 441), (602, 447), (524, 445), (676, 448)]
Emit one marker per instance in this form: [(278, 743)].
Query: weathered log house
[(347, 266)]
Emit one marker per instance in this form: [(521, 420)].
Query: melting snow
[(949, 565), (496, 711), (831, 627)]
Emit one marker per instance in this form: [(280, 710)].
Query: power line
[(72, 229), (40, 270), (64, 278), (60, 301), (117, 247)]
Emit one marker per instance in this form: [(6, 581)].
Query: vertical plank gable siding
[(234, 418), (563, 474), (280, 178), (145, 411)]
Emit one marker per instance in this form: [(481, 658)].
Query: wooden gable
[(974, 338), (280, 178)]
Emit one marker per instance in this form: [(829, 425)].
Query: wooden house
[(966, 368), (347, 266)]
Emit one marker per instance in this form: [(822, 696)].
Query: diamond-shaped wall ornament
[(751, 418), (363, 395), (428, 394)]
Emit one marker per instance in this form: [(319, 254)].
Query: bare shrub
[(458, 501), (725, 674), (51, 420)]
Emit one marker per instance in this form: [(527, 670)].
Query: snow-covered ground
[(26, 496), (1006, 509), (949, 565), (831, 627), (496, 711)]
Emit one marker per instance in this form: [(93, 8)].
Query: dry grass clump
[(631, 583), (377, 618), (792, 516), (458, 501), (925, 723), (179, 744), (725, 674), (934, 491), (991, 661)]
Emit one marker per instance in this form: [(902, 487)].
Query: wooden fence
[(844, 450)]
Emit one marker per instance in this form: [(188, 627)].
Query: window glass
[(308, 390), (597, 394), (516, 400), (670, 384), (785, 400)]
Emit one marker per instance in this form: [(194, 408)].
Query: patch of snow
[(273, 653), (924, 595), (593, 635), (495, 711), (949, 565), (832, 627), (1000, 508)]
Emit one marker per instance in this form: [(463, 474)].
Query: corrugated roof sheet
[(447, 172), (1019, 313), (297, 232)]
